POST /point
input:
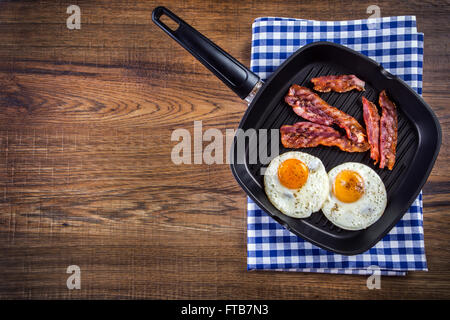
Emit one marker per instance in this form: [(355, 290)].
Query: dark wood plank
[(86, 176)]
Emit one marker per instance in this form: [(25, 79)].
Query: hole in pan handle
[(235, 75)]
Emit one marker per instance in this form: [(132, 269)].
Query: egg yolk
[(348, 186), (293, 173)]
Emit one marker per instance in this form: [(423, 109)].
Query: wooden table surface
[(86, 176)]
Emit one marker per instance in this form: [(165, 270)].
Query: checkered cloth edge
[(392, 42)]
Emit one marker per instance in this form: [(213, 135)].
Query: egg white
[(366, 210), (302, 202)]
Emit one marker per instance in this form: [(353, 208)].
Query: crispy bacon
[(308, 134), (372, 121), (341, 83), (388, 131), (310, 106)]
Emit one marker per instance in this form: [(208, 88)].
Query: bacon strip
[(388, 131), (310, 106), (307, 134), (342, 83), (372, 121)]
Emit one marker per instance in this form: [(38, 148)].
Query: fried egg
[(296, 183), (357, 196)]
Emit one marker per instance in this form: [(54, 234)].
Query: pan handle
[(236, 76)]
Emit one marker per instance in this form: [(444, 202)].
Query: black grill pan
[(419, 133)]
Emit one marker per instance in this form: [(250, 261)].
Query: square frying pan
[(419, 132)]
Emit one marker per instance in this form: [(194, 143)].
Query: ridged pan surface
[(419, 139)]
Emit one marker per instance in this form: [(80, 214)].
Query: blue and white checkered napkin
[(395, 43)]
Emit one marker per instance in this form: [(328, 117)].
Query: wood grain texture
[(86, 177)]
